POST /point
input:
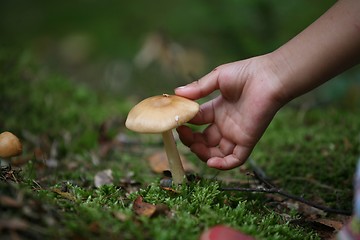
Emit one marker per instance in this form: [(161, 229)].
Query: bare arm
[(326, 48), (253, 90)]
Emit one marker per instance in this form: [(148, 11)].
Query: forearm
[(326, 48)]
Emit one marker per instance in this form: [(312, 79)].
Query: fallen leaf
[(337, 225), (159, 163), (325, 231), (169, 189), (166, 184), (66, 195), (103, 178), (143, 208)]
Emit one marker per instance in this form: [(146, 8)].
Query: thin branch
[(262, 179), (260, 175), (291, 196)]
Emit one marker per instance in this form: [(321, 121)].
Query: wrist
[(326, 48), (278, 71), (295, 73)]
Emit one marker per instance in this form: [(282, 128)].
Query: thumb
[(200, 88)]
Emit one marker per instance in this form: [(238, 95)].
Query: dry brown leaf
[(66, 195), (337, 225), (159, 163), (143, 208), (166, 184), (324, 231), (169, 189)]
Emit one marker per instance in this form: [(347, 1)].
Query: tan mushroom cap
[(161, 113), (10, 145)]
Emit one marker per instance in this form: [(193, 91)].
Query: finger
[(205, 115), (205, 152), (237, 158), (206, 145), (226, 147), (211, 136), (200, 88), (186, 135)]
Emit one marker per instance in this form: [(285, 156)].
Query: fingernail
[(181, 87)]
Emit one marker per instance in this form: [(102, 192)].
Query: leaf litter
[(142, 208), (158, 162)]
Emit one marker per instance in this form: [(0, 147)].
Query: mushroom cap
[(161, 113), (10, 145)]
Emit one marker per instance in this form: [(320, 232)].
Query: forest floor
[(83, 175)]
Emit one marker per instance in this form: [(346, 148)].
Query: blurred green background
[(71, 70), (141, 48)]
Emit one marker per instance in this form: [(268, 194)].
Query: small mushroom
[(10, 145), (160, 114)]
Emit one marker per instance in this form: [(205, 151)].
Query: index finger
[(201, 88)]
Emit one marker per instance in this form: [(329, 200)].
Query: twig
[(291, 196), (14, 177), (260, 175), (37, 184), (256, 169), (262, 180)]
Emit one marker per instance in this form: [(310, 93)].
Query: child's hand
[(253, 90), (238, 117)]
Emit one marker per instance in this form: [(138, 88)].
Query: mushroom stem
[(176, 168)]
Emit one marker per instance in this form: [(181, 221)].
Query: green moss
[(313, 155), (308, 153), (201, 205)]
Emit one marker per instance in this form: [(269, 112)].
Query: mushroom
[(10, 145), (160, 114)]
